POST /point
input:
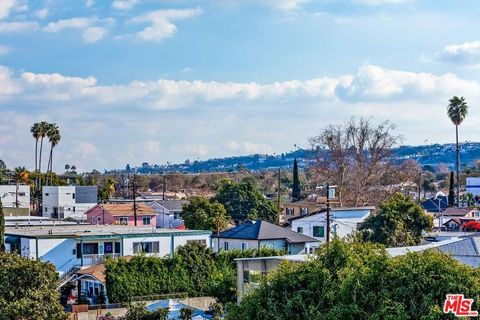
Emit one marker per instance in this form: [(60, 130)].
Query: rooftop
[(126, 209), (262, 230), (88, 231)]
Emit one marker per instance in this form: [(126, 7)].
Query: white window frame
[(244, 245), (123, 218), (149, 221), (226, 245)]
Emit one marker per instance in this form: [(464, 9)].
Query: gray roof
[(262, 230), (172, 205), (465, 247)]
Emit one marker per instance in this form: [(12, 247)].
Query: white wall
[(8, 193), (63, 198), (233, 244), (473, 185)]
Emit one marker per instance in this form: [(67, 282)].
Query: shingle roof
[(262, 230), (457, 212), (126, 209), (431, 204)]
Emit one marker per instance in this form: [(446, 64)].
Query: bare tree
[(357, 158)]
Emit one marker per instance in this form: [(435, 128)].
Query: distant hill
[(434, 155)]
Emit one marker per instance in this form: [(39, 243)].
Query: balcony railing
[(93, 259)]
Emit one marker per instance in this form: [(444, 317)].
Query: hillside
[(434, 155)]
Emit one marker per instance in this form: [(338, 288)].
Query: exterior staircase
[(67, 276)]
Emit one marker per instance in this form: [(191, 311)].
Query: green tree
[(202, 214), (451, 191), (457, 111), (2, 228), (186, 313), (107, 190), (359, 281), (244, 201), (296, 190), (28, 289), (398, 222)]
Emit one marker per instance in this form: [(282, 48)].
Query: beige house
[(303, 207)]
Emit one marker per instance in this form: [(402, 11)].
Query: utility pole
[(328, 213), (134, 201), (164, 186), (278, 191)]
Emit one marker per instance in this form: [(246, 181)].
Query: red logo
[(459, 306)]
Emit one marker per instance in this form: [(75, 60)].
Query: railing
[(94, 259), (66, 276)]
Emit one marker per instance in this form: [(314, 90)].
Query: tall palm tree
[(20, 176), (42, 133), (35, 129), (457, 111), (54, 137)]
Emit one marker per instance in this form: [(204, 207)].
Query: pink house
[(122, 213)]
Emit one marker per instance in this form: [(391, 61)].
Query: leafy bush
[(194, 270), (360, 281)]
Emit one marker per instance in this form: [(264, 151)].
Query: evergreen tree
[(2, 229), (451, 191), (296, 190)]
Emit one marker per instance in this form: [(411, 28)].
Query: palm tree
[(20, 175), (457, 111), (53, 134), (35, 129), (42, 133)]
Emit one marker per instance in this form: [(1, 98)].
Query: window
[(318, 231), (46, 209), (289, 211), (88, 248), (303, 211), (225, 245), (146, 247), (73, 195), (300, 229), (123, 220), (73, 209), (244, 245), (117, 247), (146, 221), (46, 194)]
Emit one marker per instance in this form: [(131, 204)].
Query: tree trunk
[(49, 165), (457, 165)]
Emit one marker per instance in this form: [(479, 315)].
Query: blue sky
[(130, 81)]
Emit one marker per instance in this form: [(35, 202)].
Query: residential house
[(15, 196), (60, 202), (259, 233), (456, 224), (344, 221), (435, 204), (301, 208), (71, 248), (122, 214), (169, 212)]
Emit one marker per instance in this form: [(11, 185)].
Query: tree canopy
[(360, 281), (28, 289), (243, 200), (357, 158), (398, 222), (203, 214)]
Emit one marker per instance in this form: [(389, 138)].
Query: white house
[(473, 185), (73, 248), (343, 221), (258, 234), (59, 202), (168, 212), (10, 195)]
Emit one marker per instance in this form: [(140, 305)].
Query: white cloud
[(5, 7), (161, 25), (91, 31), (370, 84), (251, 147), (124, 4), (467, 53), (5, 49), (283, 4), (89, 3), (72, 23), (42, 13), (18, 26), (94, 34)]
